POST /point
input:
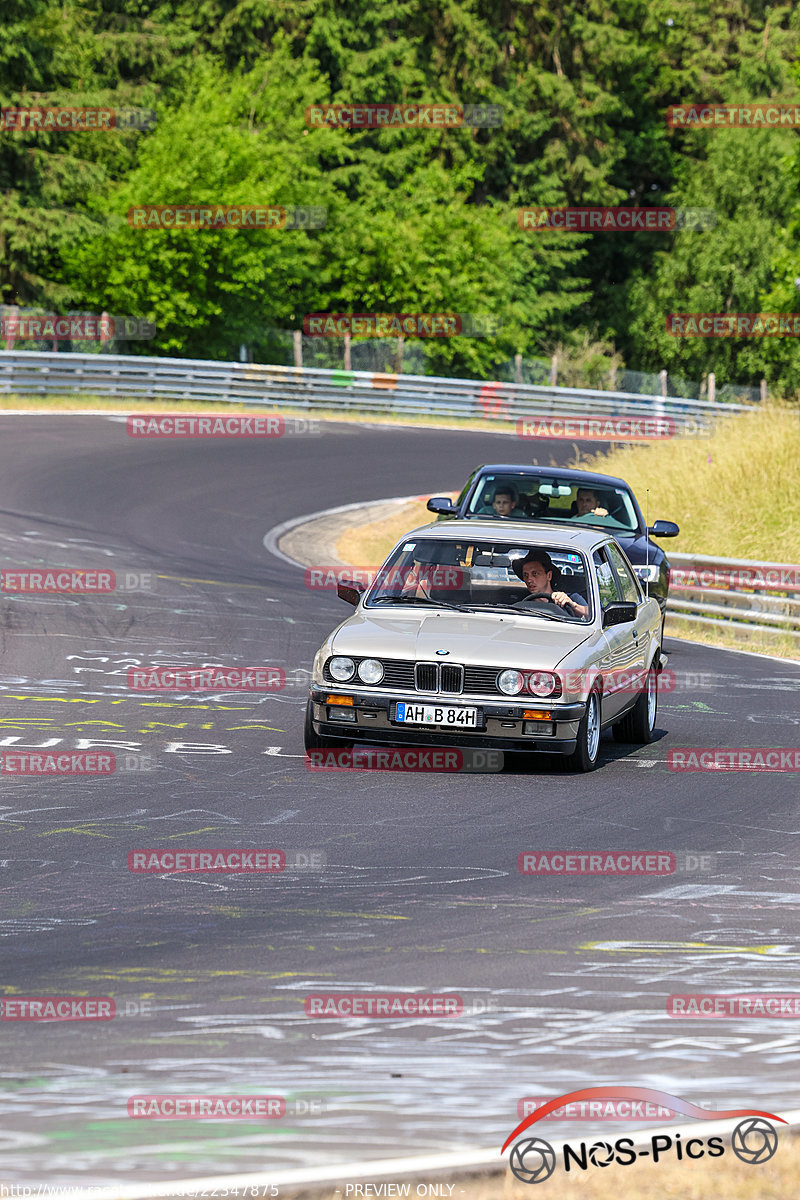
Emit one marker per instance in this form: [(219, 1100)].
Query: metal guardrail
[(309, 388), (736, 593)]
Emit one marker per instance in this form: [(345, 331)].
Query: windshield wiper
[(418, 600), (512, 608)]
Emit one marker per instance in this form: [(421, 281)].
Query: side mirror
[(351, 592), (664, 529), (619, 612), (441, 504)]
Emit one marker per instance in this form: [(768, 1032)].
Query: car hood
[(479, 639)]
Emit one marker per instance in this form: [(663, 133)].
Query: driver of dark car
[(538, 571), (586, 501)]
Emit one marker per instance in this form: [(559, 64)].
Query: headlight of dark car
[(647, 573)]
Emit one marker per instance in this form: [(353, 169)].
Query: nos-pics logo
[(533, 1160)]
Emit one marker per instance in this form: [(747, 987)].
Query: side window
[(605, 579), (627, 583)]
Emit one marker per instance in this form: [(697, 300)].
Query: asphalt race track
[(564, 980)]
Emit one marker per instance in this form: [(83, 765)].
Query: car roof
[(523, 533), (565, 473)]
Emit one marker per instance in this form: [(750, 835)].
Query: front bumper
[(504, 727)]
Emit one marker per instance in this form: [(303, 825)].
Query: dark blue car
[(556, 495)]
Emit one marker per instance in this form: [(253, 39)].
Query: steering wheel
[(539, 597)]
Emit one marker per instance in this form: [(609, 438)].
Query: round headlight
[(342, 669), (370, 670), (541, 683), (511, 682)]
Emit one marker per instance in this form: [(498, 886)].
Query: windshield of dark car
[(510, 496), (475, 572)]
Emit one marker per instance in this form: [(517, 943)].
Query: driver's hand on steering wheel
[(562, 600)]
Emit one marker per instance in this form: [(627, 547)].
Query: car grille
[(439, 677)]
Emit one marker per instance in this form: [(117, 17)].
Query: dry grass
[(367, 545), (735, 493)]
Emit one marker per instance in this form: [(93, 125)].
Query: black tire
[(639, 724), (586, 754), (315, 741)]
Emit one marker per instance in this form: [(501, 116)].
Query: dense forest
[(418, 219)]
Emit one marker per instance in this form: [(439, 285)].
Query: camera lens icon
[(532, 1161), (754, 1140), (601, 1154)]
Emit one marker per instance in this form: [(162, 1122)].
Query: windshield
[(479, 574), (525, 497)]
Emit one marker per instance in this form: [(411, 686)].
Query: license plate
[(437, 714)]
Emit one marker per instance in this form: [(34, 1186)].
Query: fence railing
[(312, 388), (739, 593)]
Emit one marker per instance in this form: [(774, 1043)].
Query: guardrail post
[(662, 375), (298, 347), (348, 364), (14, 313), (712, 388), (763, 391), (554, 371), (517, 368)]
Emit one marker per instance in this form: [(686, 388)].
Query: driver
[(587, 502), (537, 571)]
